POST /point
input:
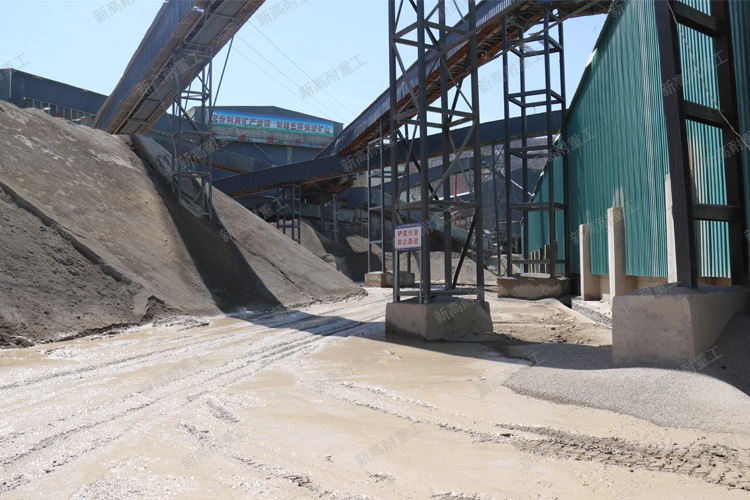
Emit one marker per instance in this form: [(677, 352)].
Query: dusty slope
[(29, 298), (73, 192)]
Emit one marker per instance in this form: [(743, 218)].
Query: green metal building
[(617, 143)]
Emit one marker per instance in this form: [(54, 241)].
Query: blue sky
[(72, 42)]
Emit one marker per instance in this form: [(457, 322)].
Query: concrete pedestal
[(618, 281), (444, 317), (589, 283), (532, 287), (385, 280), (669, 326)]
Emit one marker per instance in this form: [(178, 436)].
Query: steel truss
[(525, 48), (670, 15), (288, 215), (431, 32), (192, 178)]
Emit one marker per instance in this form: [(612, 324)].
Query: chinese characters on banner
[(408, 236), (273, 123)]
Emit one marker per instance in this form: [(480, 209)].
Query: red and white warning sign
[(408, 236)]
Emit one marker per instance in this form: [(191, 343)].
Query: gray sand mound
[(93, 237)]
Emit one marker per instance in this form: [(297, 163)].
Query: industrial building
[(208, 300), (617, 148)]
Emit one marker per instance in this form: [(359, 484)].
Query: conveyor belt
[(202, 27), (328, 167), (490, 13)]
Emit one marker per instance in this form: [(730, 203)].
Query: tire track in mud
[(278, 351), (712, 463), (193, 346), (267, 356), (300, 480)]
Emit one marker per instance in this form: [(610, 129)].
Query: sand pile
[(348, 256), (93, 237)]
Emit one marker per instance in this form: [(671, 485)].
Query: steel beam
[(677, 148), (670, 15)]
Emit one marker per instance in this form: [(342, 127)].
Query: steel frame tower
[(288, 216), (528, 98), (429, 35)]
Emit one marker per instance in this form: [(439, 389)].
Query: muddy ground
[(317, 403)]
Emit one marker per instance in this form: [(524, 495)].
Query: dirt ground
[(317, 403)]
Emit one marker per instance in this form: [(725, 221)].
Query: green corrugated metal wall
[(741, 36), (617, 143)]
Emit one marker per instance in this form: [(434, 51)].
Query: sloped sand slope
[(93, 237)]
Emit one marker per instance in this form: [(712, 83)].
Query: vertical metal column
[(670, 15), (288, 215), (378, 173), (522, 47), (424, 271), (332, 222), (477, 160), (446, 140), (393, 95), (497, 197), (411, 108), (565, 158), (194, 165), (507, 161)]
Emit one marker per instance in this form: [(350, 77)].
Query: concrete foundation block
[(618, 282), (442, 318), (669, 326), (385, 280), (531, 287), (379, 280), (589, 282), (406, 279)]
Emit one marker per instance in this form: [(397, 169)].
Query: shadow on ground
[(234, 284)]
